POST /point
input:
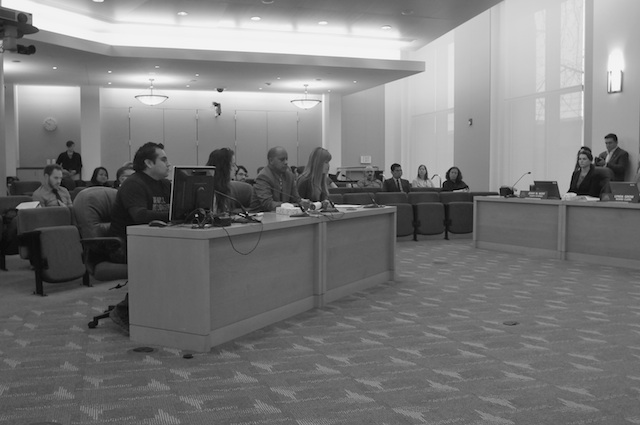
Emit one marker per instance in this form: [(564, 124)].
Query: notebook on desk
[(622, 192)]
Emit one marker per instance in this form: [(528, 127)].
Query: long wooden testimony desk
[(597, 232), (195, 288)]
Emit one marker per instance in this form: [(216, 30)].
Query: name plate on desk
[(536, 194)]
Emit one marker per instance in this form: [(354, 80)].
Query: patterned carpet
[(463, 336)]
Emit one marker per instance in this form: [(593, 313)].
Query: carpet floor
[(463, 336)]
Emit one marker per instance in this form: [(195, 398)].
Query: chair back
[(420, 197), (242, 192), (24, 187), (74, 192), (387, 198), (92, 208), (10, 202), (34, 218), (360, 198), (447, 197)]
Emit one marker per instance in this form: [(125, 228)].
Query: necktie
[(55, 192), (398, 183)]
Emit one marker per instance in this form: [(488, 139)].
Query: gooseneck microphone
[(373, 204), (508, 191), (244, 213)]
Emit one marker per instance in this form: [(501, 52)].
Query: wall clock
[(50, 124)]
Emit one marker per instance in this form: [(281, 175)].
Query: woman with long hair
[(422, 179), (583, 180), (312, 184), (100, 177), (454, 182), (225, 162)]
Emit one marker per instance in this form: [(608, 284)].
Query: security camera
[(220, 90)]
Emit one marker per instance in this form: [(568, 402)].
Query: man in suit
[(275, 183), (615, 158), (396, 183)]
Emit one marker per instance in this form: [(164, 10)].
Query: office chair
[(92, 207)]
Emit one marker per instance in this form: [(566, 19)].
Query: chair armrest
[(106, 241)]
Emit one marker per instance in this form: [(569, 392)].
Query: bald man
[(275, 184)]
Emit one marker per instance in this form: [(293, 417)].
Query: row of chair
[(421, 212), (59, 242)]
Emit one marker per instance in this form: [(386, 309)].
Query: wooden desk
[(194, 289), (597, 232)]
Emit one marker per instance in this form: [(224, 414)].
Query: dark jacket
[(390, 185)]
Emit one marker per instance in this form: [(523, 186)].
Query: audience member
[(396, 183), (242, 174), (369, 179), (51, 193), (224, 160), (122, 174), (615, 158), (71, 161), (583, 181), (100, 177), (275, 183), (454, 182), (312, 184), (422, 179)]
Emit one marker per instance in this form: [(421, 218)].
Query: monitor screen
[(551, 187), (192, 188)]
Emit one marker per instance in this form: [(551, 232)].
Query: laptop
[(623, 192), (551, 187)]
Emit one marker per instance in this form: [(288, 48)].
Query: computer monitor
[(624, 192), (551, 187), (192, 188)]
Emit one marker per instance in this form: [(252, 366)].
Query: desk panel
[(529, 226), (194, 289)]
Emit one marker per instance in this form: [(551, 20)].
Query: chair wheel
[(92, 324)]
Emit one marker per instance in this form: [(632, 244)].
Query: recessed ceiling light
[(354, 81), (98, 1), (157, 66), (197, 75), (109, 83), (188, 85), (255, 18), (407, 12), (182, 13), (55, 67), (386, 27), (323, 23), (267, 1), (109, 72)]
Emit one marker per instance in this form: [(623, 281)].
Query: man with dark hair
[(615, 158), (146, 194), (143, 197), (51, 193), (71, 161), (275, 184), (396, 183)]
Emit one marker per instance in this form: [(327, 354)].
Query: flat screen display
[(192, 188), (551, 187)]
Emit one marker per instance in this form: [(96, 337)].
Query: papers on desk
[(28, 205)]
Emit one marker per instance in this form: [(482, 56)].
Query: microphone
[(244, 213), (508, 191), (374, 204)]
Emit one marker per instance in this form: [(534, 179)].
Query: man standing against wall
[(71, 161), (615, 158)]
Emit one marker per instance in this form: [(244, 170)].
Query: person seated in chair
[(454, 182), (143, 197), (369, 179), (51, 193), (396, 183), (275, 184)]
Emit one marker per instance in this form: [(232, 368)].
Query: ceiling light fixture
[(306, 103), (151, 99)]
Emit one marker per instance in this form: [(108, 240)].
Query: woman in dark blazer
[(583, 180)]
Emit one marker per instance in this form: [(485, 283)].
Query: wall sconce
[(614, 71), (614, 81)]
